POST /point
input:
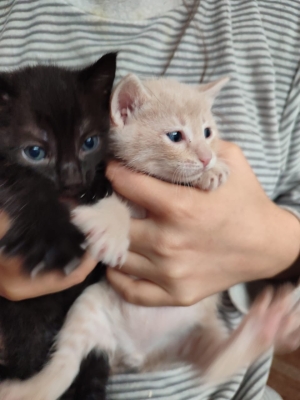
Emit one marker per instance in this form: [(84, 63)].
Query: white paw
[(214, 177), (106, 226)]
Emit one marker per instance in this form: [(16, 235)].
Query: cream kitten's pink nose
[(205, 160)]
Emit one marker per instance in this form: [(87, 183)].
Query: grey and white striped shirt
[(255, 42)]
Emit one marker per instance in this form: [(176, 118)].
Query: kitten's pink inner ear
[(128, 96), (125, 104)]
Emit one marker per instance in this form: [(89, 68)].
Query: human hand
[(16, 285), (193, 243)]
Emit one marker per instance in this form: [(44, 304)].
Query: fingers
[(139, 292), (142, 236), (20, 286), (140, 267), (79, 274), (15, 285), (148, 192)]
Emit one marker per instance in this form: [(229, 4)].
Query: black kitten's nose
[(70, 175)]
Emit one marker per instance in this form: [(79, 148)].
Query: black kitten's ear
[(6, 91), (100, 76)]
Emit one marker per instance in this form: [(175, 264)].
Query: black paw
[(41, 231), (91, 381)]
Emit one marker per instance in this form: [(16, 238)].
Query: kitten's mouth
[(71, 202), (72, 197)]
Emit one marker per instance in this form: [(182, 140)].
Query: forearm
[(292, 273)]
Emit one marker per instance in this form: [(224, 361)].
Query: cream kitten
[(165, 129)]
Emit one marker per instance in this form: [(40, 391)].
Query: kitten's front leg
[(106, 225), (214, 177)]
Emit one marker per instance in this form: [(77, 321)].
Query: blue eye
[(175, 136), (207, 133), (35, 153), (90, 143)]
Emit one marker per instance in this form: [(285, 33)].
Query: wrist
[(280, 244)]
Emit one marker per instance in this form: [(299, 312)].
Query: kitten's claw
[(213, 178), (73, 264), (106, 226), (84, 246), (41, 265)]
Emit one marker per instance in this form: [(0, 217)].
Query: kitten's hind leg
[(87, 326), (92, 379)]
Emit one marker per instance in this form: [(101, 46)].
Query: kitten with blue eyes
[(175, 124), (165, 129), (54, 126)]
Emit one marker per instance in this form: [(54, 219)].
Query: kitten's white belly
[(131, 333), (133, 337)]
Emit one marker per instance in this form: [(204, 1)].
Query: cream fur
[(153, 108)]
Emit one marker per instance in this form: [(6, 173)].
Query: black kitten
[(54, 125)]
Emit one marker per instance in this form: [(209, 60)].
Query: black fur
[(56, 110), (92, 378), (41, 231)]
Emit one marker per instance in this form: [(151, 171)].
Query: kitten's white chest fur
[(134, 336)]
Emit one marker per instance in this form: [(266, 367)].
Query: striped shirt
[(255, 42)]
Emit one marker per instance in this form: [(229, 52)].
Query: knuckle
[(129, 295), (174, 272), (178, 209), (186, 300), (234, 149), (165, 243), (161, 244)]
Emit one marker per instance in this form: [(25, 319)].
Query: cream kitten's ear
[(212, 89), (129, 95)]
